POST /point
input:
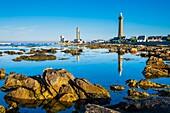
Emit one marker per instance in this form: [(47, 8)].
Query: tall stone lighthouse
[(78, 34), (120, 29)]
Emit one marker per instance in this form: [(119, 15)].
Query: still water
[(97, 65)]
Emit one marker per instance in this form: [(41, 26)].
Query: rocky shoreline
[(55, 84), (57, 89)]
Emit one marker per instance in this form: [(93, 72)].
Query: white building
[(62, 39), (141, 38)]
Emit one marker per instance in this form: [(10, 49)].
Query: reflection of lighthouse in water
[(78, 58), (120, 64)]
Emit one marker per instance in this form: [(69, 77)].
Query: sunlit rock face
[(2, 73), (156, 68), (58, 84)]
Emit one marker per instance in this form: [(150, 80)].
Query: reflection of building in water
[(120, 64), (78, 57)]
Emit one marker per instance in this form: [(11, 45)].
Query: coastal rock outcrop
[(145, 84), (156, 68), (148, 105), (117, 87), (2, 109), (132, 83), (73, 51), (40, 51), (133, 50), (2, 73), (36, 57), (93, 108), (13, 52), (137, 94), (54, 83)]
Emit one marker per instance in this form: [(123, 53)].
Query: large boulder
[(57, 78), (156, 68), (55, 83), (23, 87), (88, 90)]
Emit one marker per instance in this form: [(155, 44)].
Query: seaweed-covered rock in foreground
[(59, 84), (149, 105), (156, 68)]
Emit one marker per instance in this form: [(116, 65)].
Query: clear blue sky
[(46, 20)]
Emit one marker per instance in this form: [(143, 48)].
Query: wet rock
[(144, 54), (36, 57), (2, 73), (137, 94), (1, 53), (117, 87), (133, 50), (12, 73), (63, 58), (57, 78), (156, 68), (55, 83), (73, 51), (52, 50), (132, 83), (90, 91), (148, 105), (42, 51), (112, 50), (164, 93), (121, 51), (93, 108), (13, 52), (146, 84), (127, 59), (2, 109)]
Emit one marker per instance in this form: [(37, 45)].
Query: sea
[(97, 65)]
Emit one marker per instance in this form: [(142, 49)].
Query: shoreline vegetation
[(58, 87)]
